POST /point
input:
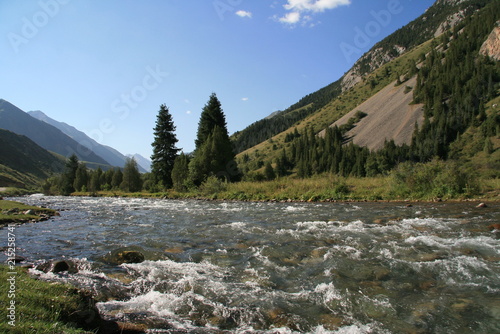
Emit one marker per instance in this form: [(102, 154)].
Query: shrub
[(433, 179), (213, 185)]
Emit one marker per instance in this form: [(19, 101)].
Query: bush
[(433, 179), (213, 185)]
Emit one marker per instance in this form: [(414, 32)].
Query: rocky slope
[(389, 115)]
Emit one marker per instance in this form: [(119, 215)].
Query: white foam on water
[(361, 329), (291, 208), (328, 292), (483, 244), (348, 251), (161, 304), (312, 226), (436, 224)]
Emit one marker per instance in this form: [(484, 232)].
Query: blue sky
[(105, 67)]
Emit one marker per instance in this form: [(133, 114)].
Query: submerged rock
[(129, 256), (331, 322), (57, 266), (125, 255)]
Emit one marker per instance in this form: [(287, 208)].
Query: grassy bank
[(13, 191), (16, 212), (328, 188), (29, 305), (39, 307)]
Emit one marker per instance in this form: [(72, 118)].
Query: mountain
[(431, 89), (440, 17), (45, 135), (112, 156), (144, 163), (23, 163)]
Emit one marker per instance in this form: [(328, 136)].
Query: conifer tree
[(131, 177), (214, 151), (269, 173), (95, 180), (69, 175), (164, 150), (117, 179), (180, 172), (81, 178), (211, 116)]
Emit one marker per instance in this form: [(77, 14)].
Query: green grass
[(40, 307), (14, 212), (14, 191), (325, 187)]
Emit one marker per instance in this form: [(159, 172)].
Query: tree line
[(76, 177), (213, 154), (213, 157)]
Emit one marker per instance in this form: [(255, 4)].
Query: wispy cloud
[(297, 9), (244, 13), (244, 99)]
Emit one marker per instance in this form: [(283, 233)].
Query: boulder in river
[(132, 254), (57, 266), (129, 256)]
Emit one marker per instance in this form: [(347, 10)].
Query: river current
[(240, 267)]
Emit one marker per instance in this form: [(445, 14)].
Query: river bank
[(319, 189), (54, 308), (17, 212)]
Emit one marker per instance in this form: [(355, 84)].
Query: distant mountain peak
[(43, 134), (110, 154), (143, 162)]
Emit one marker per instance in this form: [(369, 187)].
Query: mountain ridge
[(23, 163), (45, 135), (440, 15), (469, 34), (111, 155)]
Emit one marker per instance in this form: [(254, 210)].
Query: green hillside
[(440, 16), (456, 86), (23, 163)]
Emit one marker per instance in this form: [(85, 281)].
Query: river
[(243, 267)]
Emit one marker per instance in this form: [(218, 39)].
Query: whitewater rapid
[(242, 267)]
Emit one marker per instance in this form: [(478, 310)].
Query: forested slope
[(443, 15), (455, 85)]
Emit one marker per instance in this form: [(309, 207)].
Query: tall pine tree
[(164, 150), (214, 151), (211, 116)]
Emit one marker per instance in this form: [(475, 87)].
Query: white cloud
[(244, 99), (296, 8), (188, 112), (244, 13), (290, 18), (315, 5)]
